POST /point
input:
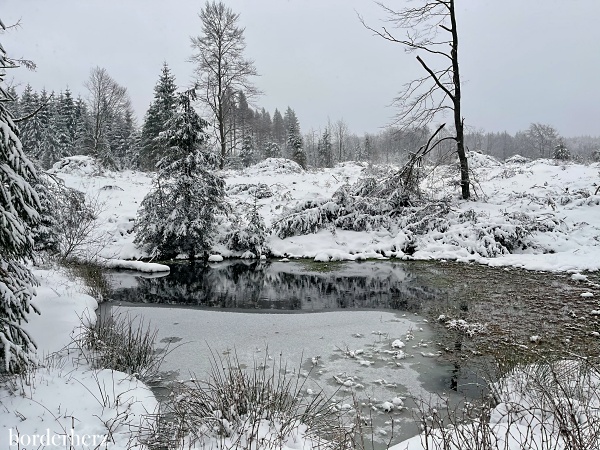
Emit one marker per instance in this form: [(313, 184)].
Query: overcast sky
[(522, 61)]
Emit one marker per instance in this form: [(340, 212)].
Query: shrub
[(235, 407), (120, 342)]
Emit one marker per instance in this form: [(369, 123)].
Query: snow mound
[(579, 277), (275, 165), (517, 159), (215, 258), (76, 165), (477, 160), (136, 265), (260, 190)]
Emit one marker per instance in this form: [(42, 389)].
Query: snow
[(136, 265), (532, 411), (555, 199), (65, 398)]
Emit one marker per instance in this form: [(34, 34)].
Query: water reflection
[(283, 286)]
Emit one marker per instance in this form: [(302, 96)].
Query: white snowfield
[(68, 398), (556, 201)]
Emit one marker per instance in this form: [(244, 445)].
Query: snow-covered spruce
[(178, 215), (19, 207)]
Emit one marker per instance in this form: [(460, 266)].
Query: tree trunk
[(458, 120)]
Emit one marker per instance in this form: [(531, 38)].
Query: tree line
[(55, 125)]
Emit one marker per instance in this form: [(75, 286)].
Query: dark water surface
[(287, 286)]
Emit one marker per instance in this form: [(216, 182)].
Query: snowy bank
[(65, 402), (542, 406), (537, 215)]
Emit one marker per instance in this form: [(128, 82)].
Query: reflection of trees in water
[(244, 284)]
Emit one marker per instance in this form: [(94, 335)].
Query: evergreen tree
[(122, 138), (14, 107), (272, 150), (324, 154), (32, 128), (250, 233), (279, 134), (161, 110), (82, 139), (294, 138), (18, 213), (263, 128), (561, 152), (67, 123), (179, 214), (49, 150), (368, 149), (247, 153)]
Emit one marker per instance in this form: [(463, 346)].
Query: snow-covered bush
[(275, 165), (517, 159), (68, 225), (370, 204), (561, 152), (259, 190), (250, 233), (77, 165)]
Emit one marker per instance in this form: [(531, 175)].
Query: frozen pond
[(361, 328)]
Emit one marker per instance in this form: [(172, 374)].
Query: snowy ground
[(66, 395), (557, 201), (64, 402)]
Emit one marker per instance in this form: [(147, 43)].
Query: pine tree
[(82, 139), (263, 129), (122, 138), (272, 150), (294, 138), (18, 213), (50, 149), (561, 152), (368, 149), (32, 128), (67, 123), (160, 111), (250, 233), (179, 214), (324, 153), (248, 152), (279, 134)]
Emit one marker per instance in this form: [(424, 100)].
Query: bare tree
[(221, 68), (107, 101), (340, 131), (543, 138), (430, 29)]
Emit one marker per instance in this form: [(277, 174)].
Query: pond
[(336, 323)]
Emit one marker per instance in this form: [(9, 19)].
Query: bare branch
[(30, 115), (439, 91)]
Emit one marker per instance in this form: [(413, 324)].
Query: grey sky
[(522, 61)]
